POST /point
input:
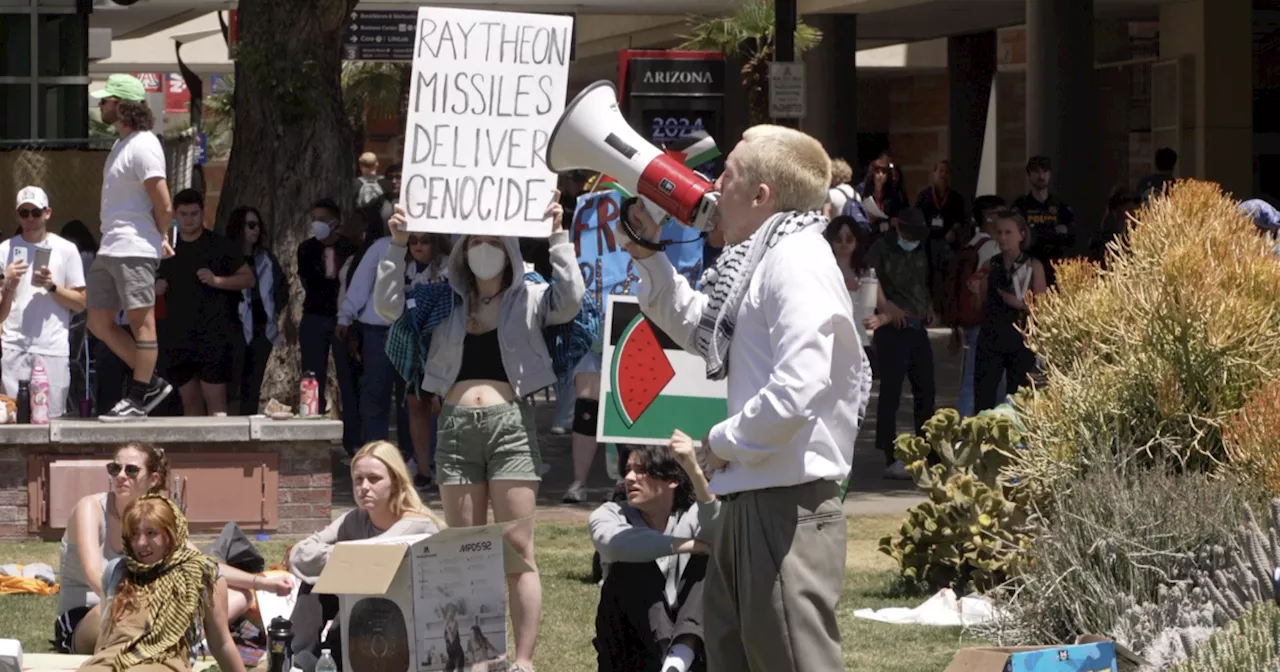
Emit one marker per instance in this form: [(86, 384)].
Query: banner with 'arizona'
[(649, 385)]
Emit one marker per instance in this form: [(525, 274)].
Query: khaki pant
[(776, 573)]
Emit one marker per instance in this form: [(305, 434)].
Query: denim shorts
[(487, 443)]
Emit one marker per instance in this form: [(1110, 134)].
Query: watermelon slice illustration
[(640, 370)]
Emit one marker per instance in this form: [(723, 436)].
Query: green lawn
[(569, 603)]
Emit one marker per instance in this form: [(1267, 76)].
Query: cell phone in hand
[(42, 260), (19, 254)]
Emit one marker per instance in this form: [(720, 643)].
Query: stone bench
[(270, 476)]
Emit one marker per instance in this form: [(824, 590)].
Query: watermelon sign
[(651, 386), (640, 370)]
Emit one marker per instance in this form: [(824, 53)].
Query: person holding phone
[(44, 281)]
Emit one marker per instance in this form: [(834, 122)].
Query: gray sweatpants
[(776, 572)]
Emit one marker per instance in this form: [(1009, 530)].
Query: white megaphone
[(593, 135)]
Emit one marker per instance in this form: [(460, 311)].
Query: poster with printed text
[(459, 598), (487, 90), (649, 385)]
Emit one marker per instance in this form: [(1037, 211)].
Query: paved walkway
[(869, 494)]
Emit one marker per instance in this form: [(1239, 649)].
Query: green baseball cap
[(124, 87)]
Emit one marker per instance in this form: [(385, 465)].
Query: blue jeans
[(566, 396), (377, 384), (316, 339), (964, 406)]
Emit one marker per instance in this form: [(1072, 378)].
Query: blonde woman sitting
[(162, 598), (386, 506)]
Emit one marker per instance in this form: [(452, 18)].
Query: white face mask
[(486, 260), (320, 230)]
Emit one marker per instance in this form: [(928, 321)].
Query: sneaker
[(424, 481), (155, 393), (576, 494), (125, 411), (559, 431), (897, 471)]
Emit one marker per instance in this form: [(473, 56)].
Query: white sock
[(679, 658)]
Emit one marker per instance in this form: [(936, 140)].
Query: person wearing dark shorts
[(203, 282)]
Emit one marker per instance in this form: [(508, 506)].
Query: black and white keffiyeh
[(726, 283)]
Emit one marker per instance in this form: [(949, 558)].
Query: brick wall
[(918, 125), (304, 494)]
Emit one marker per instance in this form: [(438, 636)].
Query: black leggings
[(991, 363)]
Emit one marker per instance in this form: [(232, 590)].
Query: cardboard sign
[(487, 91), (606, 267), (649, 385), (424, 602)]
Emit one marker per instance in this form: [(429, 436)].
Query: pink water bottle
[(309, 396), (39, 393)]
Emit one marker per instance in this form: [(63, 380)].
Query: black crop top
[(482, 358)]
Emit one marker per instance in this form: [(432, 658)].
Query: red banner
[(176, 94), (151, 80)]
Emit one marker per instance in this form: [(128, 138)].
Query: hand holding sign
[(488, 88)]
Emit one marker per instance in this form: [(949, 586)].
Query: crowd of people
[(722, 553)]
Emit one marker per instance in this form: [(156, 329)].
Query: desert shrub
[(1247, 643), (1252, 437), (968, 535), (1148, 359), (1110, 549)]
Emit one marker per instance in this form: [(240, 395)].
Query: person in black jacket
[(262, 305), (1052, 222), (319, 259)]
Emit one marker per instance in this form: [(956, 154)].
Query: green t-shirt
[(903, 276)]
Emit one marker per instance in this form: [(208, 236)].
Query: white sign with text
[(488, 89), (787, 95)]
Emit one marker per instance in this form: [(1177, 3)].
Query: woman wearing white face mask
[(483, 360), (319, 259)]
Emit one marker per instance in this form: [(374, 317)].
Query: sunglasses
[(30, 213), (130, 470), (251, 224), (419, 240)]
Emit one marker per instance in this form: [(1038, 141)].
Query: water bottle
[(309, 395), (24, 402), (280, 645), (326, 664), (39, 393)]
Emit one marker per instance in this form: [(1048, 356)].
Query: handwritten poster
[(487, 91), (606, 267)]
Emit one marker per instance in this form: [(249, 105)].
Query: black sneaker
[(423, 481), (155, 393), (126, 411)]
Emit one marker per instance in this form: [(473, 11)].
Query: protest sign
[(487, 91), (649, 385), (606, 267)]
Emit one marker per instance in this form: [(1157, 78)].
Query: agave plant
[(748, 31)]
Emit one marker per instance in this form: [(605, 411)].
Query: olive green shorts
[(487, 443)]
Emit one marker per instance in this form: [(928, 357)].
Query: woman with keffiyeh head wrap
[(163, 597)]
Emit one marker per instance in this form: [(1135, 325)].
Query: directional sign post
[(376, 35), (786, 90)]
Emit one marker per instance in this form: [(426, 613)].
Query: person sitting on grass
[(92, 539), (650, 613), (387, 506), (162, 597)]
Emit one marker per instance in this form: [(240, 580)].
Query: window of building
[(15, 111), (64, 44), (64, 111), (15, 45)]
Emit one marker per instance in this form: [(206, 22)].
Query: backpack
[(853, 208), (963, 307), (370, 191)]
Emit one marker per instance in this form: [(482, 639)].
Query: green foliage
[(748, 31), (1148, 359), (967, 536), (219, 119), (1247, 643), (1114, 553), (372, 87)]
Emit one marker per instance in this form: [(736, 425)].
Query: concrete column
[(831, 95), (971, 70), (1213, 50), (1062, 97)]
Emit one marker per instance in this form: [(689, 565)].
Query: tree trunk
[(292, 143)]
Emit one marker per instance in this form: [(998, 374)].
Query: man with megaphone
[(775, 319)]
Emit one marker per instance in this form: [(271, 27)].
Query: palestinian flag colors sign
[(649, 386)]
